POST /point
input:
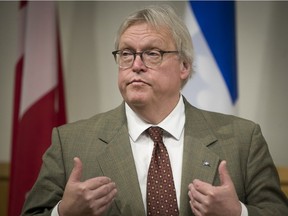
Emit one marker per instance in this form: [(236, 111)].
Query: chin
[(136, 100), (136, 97)]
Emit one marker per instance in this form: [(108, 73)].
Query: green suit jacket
[(102, 143)]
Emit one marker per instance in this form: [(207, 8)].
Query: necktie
[(161, 194)]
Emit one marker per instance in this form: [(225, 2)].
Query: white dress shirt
[(142, 145)]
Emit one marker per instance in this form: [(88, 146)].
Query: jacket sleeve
[(50, 184), (262, 185)]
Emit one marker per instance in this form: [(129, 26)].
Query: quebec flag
[(213, 86)]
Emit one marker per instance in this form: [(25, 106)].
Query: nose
[(138, 65)]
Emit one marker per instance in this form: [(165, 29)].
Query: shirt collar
[(136, 126)]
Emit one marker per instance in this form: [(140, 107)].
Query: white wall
[(87, 33), (8, 50), (263, 71)]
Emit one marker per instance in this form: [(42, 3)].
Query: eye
[(126, 53), (153, 53)]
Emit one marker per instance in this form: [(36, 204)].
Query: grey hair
[(163, 16)]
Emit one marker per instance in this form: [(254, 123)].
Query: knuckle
[(106, 200), (206, 203), (88, 198), (82, 188), (106, 189), (212, 194), (81, 191)]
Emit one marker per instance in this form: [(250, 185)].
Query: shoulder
[(111, 119), (222, 125), (220, 120)]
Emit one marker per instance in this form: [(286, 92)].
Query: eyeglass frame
[(162, 52)]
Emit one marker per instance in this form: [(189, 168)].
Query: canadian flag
[(38, 96)]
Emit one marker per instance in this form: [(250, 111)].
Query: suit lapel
[(117, 162), (199, 162)]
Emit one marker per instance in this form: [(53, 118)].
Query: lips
[(138, 81)]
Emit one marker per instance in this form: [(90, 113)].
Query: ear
[(184, 70)]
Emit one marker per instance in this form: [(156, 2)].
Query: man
[(219, 164)]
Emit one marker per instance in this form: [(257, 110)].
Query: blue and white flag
[(213, 86)]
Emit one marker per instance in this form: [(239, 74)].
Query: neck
[(154, 114)]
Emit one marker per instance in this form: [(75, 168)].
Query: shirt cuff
[(55, 210), (244, 211)]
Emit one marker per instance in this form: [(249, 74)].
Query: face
[(141, 86)]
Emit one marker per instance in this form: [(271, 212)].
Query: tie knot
[(155, 133)]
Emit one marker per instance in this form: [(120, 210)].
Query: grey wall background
[(87, 34)]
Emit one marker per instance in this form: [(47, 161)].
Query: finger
[(76, 172), (202, 187), (102, 208), (108, 198), (105, 201), (196, 200), (225, 178), (105, 191), (195, 207), (97, 182), (190, 192), (196, 211), (196, 195)]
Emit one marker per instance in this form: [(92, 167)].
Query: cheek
[(121, 76), (173, 75), (121, 81), (169, 81)]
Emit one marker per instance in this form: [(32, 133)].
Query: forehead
[(146, 34)]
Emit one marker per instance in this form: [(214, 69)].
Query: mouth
[(137, 82)]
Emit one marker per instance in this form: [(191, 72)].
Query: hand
[(215, 200), (91, 197)]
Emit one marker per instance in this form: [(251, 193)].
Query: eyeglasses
[(151, 58)]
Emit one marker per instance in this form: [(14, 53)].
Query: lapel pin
[(206, 163)]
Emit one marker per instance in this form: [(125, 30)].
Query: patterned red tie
[(161, 194)]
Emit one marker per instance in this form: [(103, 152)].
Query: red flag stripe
[(32, 126)]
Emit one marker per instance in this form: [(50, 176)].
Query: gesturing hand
[(91, 197), (215, 200)]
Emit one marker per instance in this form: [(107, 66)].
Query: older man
[(156, 154)]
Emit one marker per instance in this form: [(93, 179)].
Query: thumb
[(76, 172), (224, 174)]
